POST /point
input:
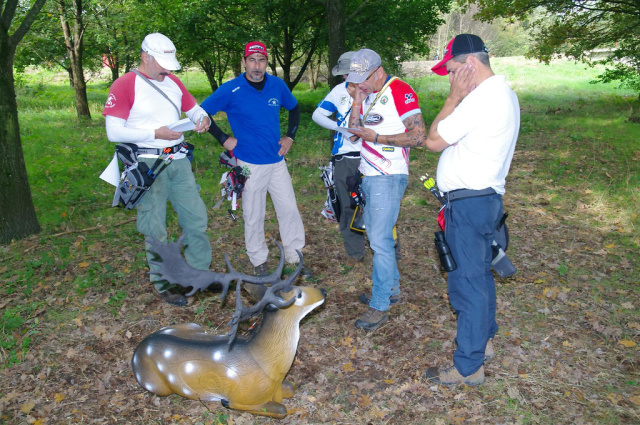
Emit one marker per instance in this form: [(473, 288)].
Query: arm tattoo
[(415, 136)]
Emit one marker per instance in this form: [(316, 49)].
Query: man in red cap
[(476, 130), (252, 103)]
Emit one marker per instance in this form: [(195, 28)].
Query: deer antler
[(243, 313), (174, 269)]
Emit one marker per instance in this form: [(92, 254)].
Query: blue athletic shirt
[(254, 116)]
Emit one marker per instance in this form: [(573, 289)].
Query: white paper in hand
[(182, 125)]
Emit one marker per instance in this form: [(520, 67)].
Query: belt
[(348, 155), (154, 151), (457, 194)]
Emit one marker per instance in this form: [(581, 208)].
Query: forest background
[(76, 301)]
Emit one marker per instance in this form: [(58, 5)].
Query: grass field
[(75, 300)]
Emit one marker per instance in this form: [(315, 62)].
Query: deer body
[(247, 375)]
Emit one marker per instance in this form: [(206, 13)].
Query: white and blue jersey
[(339, 101)]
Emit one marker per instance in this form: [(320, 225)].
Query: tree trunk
[(74, 44), (17, 213), (210, 72), (336, 20)]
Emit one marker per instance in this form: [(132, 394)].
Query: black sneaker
[(365, 298), (173, 298), (261, 270)]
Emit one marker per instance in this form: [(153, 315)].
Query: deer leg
[(288, 389), (271, 409)]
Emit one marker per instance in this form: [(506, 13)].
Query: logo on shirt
[(388, 149), (408, 98), (373, 119), (111, 101), (344, 99), (235, 90), (273, 102), (384, 100)]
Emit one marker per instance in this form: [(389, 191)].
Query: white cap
[(162, 49)]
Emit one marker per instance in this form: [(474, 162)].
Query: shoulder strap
[(389, 81), (138, 73)]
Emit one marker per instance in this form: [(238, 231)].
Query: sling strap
[(139, 74)]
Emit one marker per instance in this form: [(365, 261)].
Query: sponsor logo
[(273, 102), (235, 90), (408, 98), (344, 99), (360, 68), (388, 149), (373, 119), (256, 49), (384, 100), (111, 101)]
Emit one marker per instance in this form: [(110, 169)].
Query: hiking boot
[(261, 270), (449, 375), (371, 319), (353, 261), (173, 298), (365, 298), (255, 291), (489, 354), (306, 273)]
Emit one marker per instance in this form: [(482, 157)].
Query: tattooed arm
[(415, 135)]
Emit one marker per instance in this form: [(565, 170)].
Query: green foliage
[(575, 28)]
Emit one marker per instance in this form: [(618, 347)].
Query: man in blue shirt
[(252, 103)]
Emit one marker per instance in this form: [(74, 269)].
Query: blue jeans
[(178, 185), (383, 195), (469, 231)]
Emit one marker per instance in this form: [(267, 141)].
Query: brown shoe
[(489, 354), (449, 375), (371, 319), (353, 261), (365, 298), (173, 298)]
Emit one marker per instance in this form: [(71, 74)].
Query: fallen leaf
[(59, 397), (348, 367), (364, 401), (635, 400), (627, 305), (627, 343), (84, 264), (26, 408)]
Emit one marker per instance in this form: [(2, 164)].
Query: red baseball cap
[(255, 47), (459, 45)]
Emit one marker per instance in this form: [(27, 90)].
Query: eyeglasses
[(371, 75)]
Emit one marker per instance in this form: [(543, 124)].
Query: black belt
[(348, 155), (457, 194), (154, 151)]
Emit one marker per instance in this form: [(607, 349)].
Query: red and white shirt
[(134, 109), (384, 112)]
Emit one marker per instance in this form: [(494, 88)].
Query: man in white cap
[(386, 116), (140, 106), (345, 154), (476, 131)]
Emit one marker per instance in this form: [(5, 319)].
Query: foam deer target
[(245, 372)]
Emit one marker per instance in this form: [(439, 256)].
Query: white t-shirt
[(482, 133)]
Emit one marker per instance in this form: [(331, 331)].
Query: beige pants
[(275, 179)]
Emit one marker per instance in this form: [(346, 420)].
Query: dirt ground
[(565, 349)]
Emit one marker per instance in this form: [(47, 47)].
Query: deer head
[(244, 373)]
